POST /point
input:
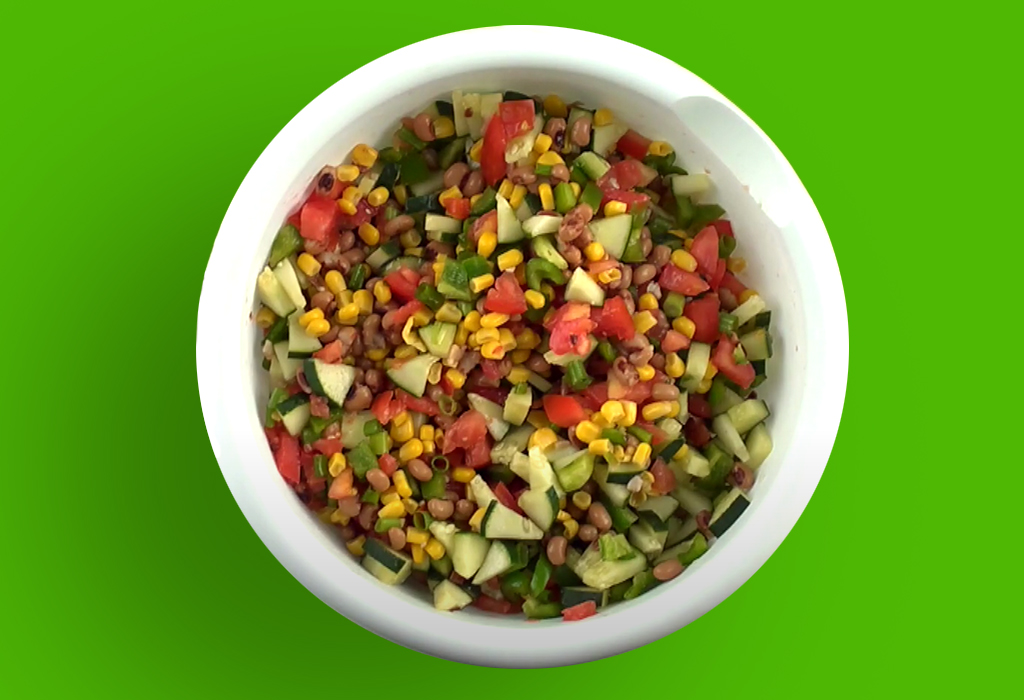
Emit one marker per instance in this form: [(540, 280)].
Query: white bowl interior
[(752, 182)]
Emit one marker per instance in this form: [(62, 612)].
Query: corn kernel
[(493, 320), (479, 284), (336, 464), (600, 447), (487, 335), (427, 432), (644, 321), (646, 373), (478, 517), (364, 156), (443, 128), (346, 173), (418, 555), (518, 375), (401, 194), (401, 418), (613, 411), (410, 240), (648, 302), (555, 107), (688, 243), (308, 264), (674, 409), (395, 509), (517, 196), (747, 295), (509, 259), (348, 313), (528, 340), (355, 546), (505, 188), (463, 475), (377, 354), (594, 251), (572, 528), (603, 117), (674, 366), (382, 292), (542, 143), (422, 317), (547, 197), (535, 299), (711, 371), (402, 484), (608, 276), (410, 450), (310, 316), (346, 207), (507, 340), (685, 326), (434, 549), (429, 447), (492, 350), (486, 244), (390, 496), (581, 499), (364, 300), (620, 453), (550, 158), (519, 356), (377, 196), (318, 327), (642, 454), (472, 321), (402, 432), (657, 409), (684, 261), (543, 438), (736, 265), (415, 536), (659, 148), (562, 516), (448, 313), (265, 317), (704, 386), (474, 152), (452, 192), (352, 194), (587, 431), (462, 335), (345, 296), (615, 208), (599, 420), (434, 373), (456, 378), (404, 352)]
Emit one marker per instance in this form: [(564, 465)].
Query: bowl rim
[(312, 557)]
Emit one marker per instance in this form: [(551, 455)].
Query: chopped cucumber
[(503, 523), (696, 365), (647, 539), (468, 552), (408, 261), (542, 224), (289, 281), (272, 294), (697, 464), (289, 366), (757, 344), (300, 343), (509, 228), (563, 360), (617, 494), (539, 382), (728, 511), (386, 564), (543, 247), (492, 413), (721, 397), (330, 380), (746, 415), (749, 309), (353, 428), (688, 185), (438, 338), (661, 506), (514, 442), (583, 288), (593, 165), (675, 550), (445, 533), (759, 445), (459, 112), (448, 596), (600, 574), (540, 506), (444, 224), (480, 492), (411, 374), (612, 233), (517, 405), (577, 595), (606, 137), (730, 437), (497, 561), (383, 255), (680, 529), (294, 412), (691, 501)]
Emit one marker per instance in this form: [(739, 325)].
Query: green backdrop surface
[(129, 570)]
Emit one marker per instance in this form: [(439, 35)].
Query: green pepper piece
[(516, 585), (634, 252), (726, 322), (476, 265), (309, 435), (592, 196), (641, 582), (541, 575), (452, 153), (726, 246), (433, 487), (370, 496), (577, 175), (286, 242), (639, 433), (488, 200), (379, 443), (538, 270), (389, 155), (564, 198), (613, 436), (430, 297), (673, 304), (320, 466), (539, 611), (684, 211), (362, 459), (454, 282), (696, 550), (413, 169), (704, 214)]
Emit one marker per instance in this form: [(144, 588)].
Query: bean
[(464, 509), (729, 301), (313, 247), (396, 536), (398, 225), (536, 363), (645, 246), (331, 432), (347, 336), (664, 392), (473, 184), (555, 126), (667, 570), (357, 376), (575, 511), (347, 532), (431, 158), (642, 358), (560, 173), (581, 131), (408, 123), (419, 470), (626, 280), (374, 380), (481, 306), (522, 175), (660, 256), (378, 480), (452, 497), (330, 335), (628, 299), (590, 487), (355, 256), (455, 174), (440, 509), (322, 300), (435, 392), (597, 515), (573, 256), (741, 476), (423, 127), (644, 273), (437, 248), (361, 399), (658, 362), (584, 239), (350, 507), (346, 240), (557, 547), (325, 182), (588, 533), (367, 515), (574, 222)]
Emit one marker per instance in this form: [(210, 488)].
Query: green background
[(128, 569)]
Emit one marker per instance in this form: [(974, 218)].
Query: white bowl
[(779, 231)]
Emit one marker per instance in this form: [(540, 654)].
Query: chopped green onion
[(430, 297), (613, 436), (320, 466), (542, 170), (412, 139), (391, 211), (440, 463), (370, 496), (385, 524), (564, 198), (421, 520), (726, 245), (684, 211), (726, 322), (453, 152), (538, 270), (379, 443), (362, 459), (357, 278), (639, 433), (659, 227), (488, 200), (433, 487), (447, 405), (576, 375), (607, 351), (286, 242), (278, 331), (592, 196), (476, 265), (309, 435), (673, 304), (618, 591)]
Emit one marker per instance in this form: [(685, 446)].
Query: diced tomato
[(579, 612), (457, 208), (502, 607), (625, 175), (385, 407), (517, 117), (468, 430), (704, 314), (403, 283), (388, 464), (742, 375), (699, 406), (615, 321), (491, 369), (506, 296), (422, 405), (319, 216), (296, 220), (570, 329), (682, 282), (327, 447), (724, 227), (492, 155), (479, 453), (506, 498), (674, 341), (364, 214), (319, 407), (633, 145), (342, 486), (696, 432), (664, 478), (705, 250), (563, 411), (594, 396), (658, 435), (630, 199), (330, 353), (730, 282), (487, 222), (446, 386), (716, 279), (403, 312), (286, 455)]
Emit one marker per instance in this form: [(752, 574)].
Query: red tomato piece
[(696, 432), (422, 405), (615, 321), (664, 478), (364, 214), (571, 337), (682, 282), (594, 396), (319, 216), (579, 612), (742, 375), (479, 453), (724, 227), (699, 406), (633, 145), (517, 117), (506, 498), (506, 296), (489, 604), (403, 283), (296, 220), (406, 310), (674, 341), (385, 408), (491, 369), (327, 447), (705, 250), (716, 279), (624, 175), (286, 455), (632, 200), (563, 411), (457, 208), (492, 155), (330, 353), (388, 464), (468, 430), (730, 282), (704, 314), (487, 222)]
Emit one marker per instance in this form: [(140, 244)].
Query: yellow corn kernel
[(535, 299), (518, 375), (674, 366), (462, 335), (443, 128), (519, 356), (403, 432), (646, 373), (628, 413), (318, 327), (609, 276), (337, 463), (401, 194), (642, 454), (308, 264), (472, 321), (547, 197), (422, 317), (487, 243), (474, 152), (382, 292), (452, 192), (310, 316), (404, 352), (594, 251), (659, 148), (550, 158), (346, 207), (478, 517), (364, 301), (474, 199), (562, 516), (644, 321), (517, 196), (448, 313), (369, 233), (265, 317), (619, 453), (614, 208), (688, 243), (657, 409), (528, 339), (685, 326), (355, 546), (543, 438), (414, 536), (352, 194), (587, 431), (684, 261), (678, 233), (572, 528), (347, 173), (576, 189), (510, 259), (395, 509), (410, 450), (479, 284), (434, 549), (428, 447), (487, 335), (600, 447), (711, 371), (555, 107), (648, 302), (411, 506), (581, 499), (538, 419), (674, 409), (427, 432), (364, 156), (377, 354), (418, 555), (401, 418), (345, 297), (613, 411), (505, 188), (603, 117), (456, 378), (390, 496), (492, 350), (599, 420), (463, 475), (542, 143), (747, 295), (736, 265), (402, 483), (704, 386), (493, 320), (377, 196), (348, 314)]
